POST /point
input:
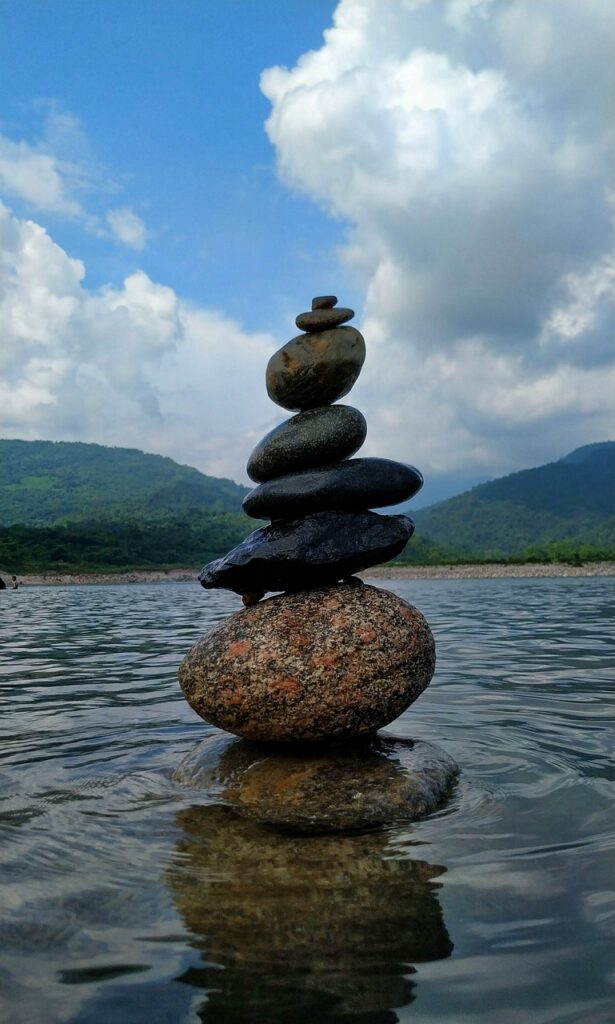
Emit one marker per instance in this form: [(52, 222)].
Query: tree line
[(178, 543)]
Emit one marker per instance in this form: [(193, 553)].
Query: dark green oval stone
[(312, 438)]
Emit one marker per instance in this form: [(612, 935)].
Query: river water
[(127, 899)]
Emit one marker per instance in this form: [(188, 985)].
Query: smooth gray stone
[(308, 552), (324, 301), (312, 438), (354, 485), (323, 319), (315, 369), (326, 788)]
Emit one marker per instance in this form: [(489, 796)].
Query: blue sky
[(178, 179), (167, 96)]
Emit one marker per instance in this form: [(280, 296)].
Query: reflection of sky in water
[(123, 901)]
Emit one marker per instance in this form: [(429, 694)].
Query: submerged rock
[(351, 785), (353, 485), (322, 664), (315, 369), (308, 552), (312, 438)]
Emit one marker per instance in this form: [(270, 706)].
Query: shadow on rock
[(300, 929)]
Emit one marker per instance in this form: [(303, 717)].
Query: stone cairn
[(319, 669)]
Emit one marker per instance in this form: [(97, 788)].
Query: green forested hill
[(67, 506), (71, 507), (569, 500), (46, 482)]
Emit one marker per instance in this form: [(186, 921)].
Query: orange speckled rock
[(323, 664)]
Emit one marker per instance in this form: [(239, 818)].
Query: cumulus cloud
[(465, 145), (128, 227), (129, 366), (57, 173), (35, 177)]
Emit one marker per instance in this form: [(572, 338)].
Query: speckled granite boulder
[(322, 664), (312, 438), (352, 486), (348, 785), (308, 552), (315, 369)]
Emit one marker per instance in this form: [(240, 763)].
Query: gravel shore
[(397, 572)]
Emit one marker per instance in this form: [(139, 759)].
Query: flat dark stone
[(308, 552), (324, 301), (323, 319), (354, 485), (315, 369), (312, 438)]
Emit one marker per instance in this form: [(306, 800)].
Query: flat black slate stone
[(302, 553), (315, 437), (354, 485)]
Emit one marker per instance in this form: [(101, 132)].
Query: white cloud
[(465, 145), (131, 366), (56, 173), (35, 177), (127, 227)]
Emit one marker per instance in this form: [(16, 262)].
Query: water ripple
[(105, 861)]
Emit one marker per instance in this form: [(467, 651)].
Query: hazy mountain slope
[(573, 498), (43, 482)]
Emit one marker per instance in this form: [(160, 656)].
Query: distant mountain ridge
[(571, 499), (48, 482)]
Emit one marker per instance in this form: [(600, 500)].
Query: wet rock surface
[(324, 319), (332, 788), (322, 664), (317, 549), (315, 369), (353, 485), (312, 438)]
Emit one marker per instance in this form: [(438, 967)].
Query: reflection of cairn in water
[(292, 929)]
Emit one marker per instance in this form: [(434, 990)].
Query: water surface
[(126, 899)]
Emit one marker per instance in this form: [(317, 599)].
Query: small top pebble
[(324, 301)]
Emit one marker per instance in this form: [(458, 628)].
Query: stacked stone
[(329, 659), (315, 495)]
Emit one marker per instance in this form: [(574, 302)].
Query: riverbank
[(396, 572)]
